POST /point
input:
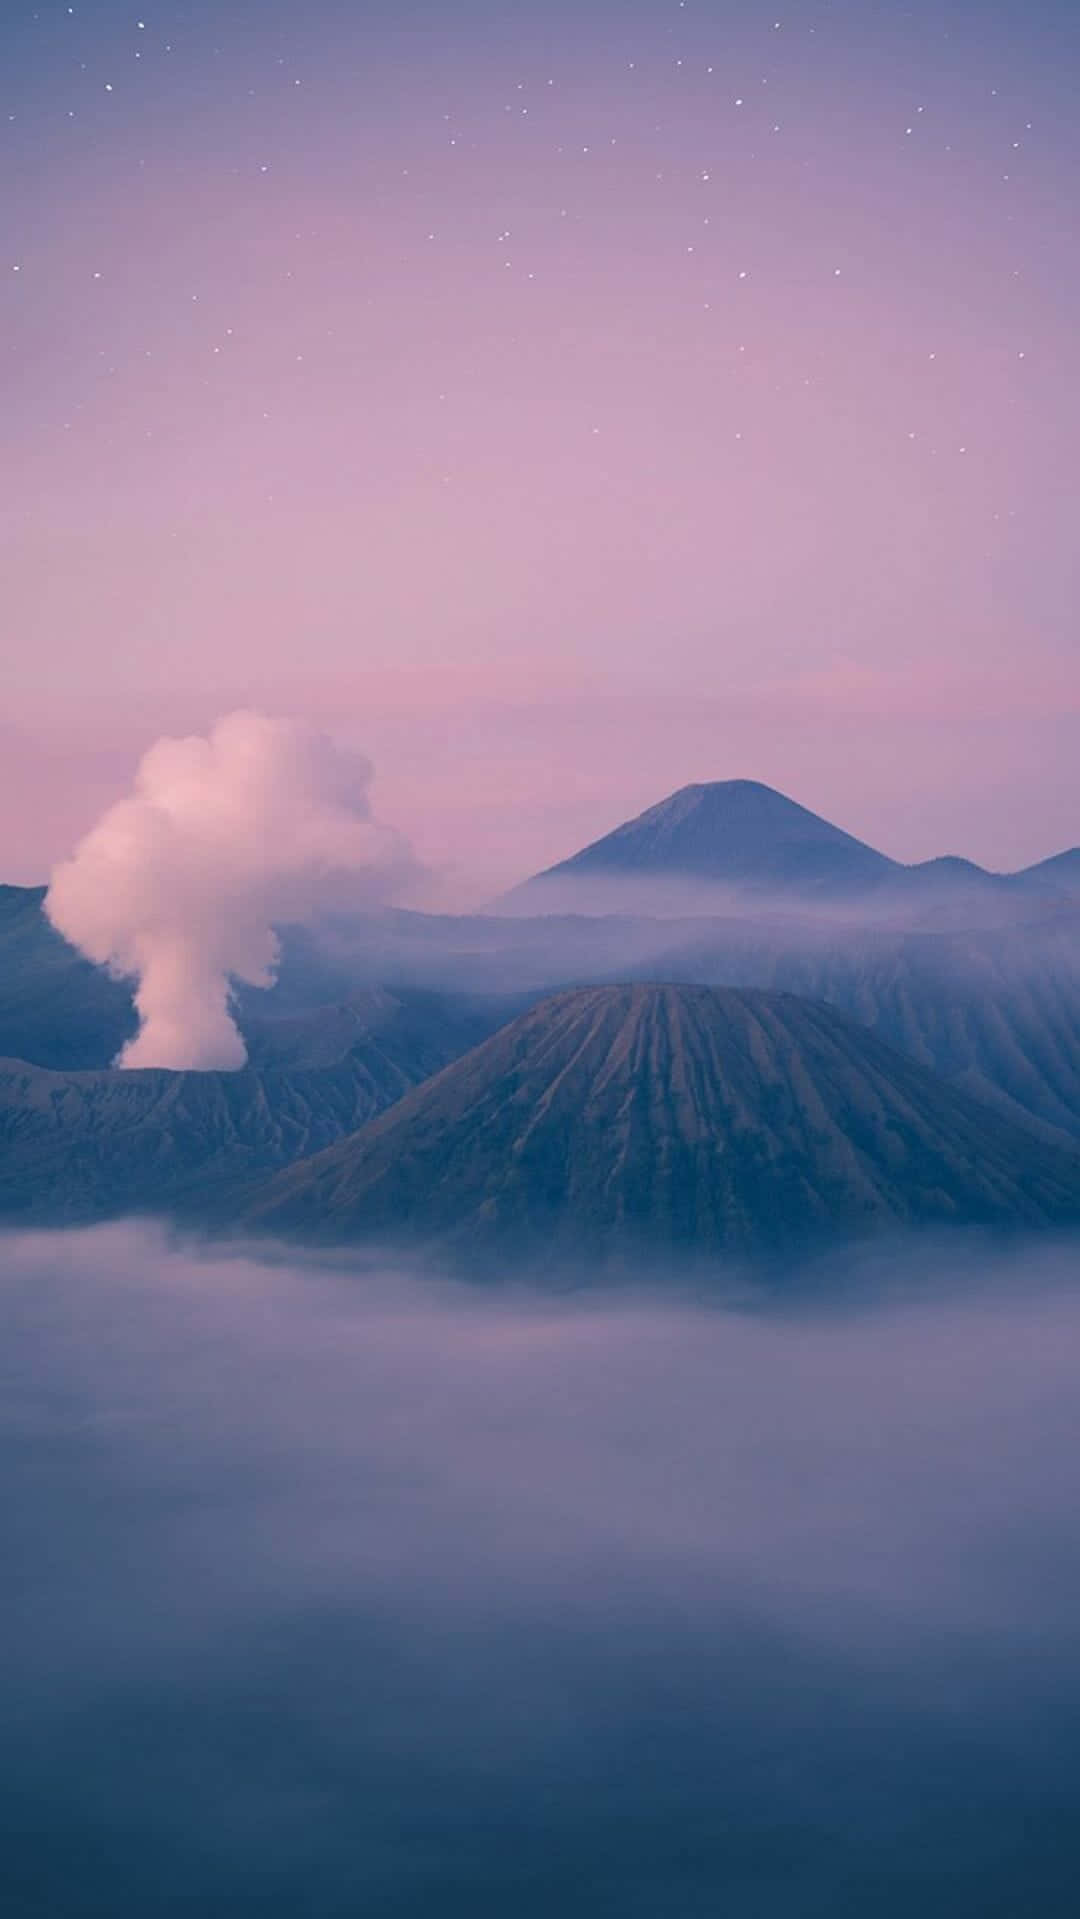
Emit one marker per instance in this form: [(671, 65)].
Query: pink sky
[(685, 418)]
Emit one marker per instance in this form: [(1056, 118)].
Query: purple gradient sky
[(564, 403)]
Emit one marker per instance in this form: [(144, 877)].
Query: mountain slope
[(708, 846), (734, 834), (1060, 874), (85, 1145), (997, 1015), (628, 1119), (56, 1008)]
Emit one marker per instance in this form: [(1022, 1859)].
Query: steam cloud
[(181, 883)]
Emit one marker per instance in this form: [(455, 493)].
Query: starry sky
[(563, 402)]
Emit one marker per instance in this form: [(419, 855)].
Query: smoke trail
[(181, 884)]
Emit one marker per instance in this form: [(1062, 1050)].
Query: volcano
[(737, 844), (730, 835), (633, 1119)]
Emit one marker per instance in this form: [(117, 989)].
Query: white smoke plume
[(180, 884)]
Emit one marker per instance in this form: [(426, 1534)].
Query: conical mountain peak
[(637, 1118), (705, 840)]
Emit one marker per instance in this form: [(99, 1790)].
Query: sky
[(558, 403)]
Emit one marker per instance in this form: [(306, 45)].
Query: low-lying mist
[(333, 1593), (940, 897)]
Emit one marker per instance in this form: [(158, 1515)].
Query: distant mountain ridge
[(743, 838), (994, 1008), (634, 1118), (996, 1014), (974, 976)]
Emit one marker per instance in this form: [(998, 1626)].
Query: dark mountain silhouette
[(738, 839), (1060, 874), (732, 834), (656, 1118)]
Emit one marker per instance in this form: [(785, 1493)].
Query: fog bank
[(332, 1593)]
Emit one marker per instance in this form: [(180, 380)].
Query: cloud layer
[(355, 1592)]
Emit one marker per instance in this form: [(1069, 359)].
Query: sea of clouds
[(335, 1593)]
